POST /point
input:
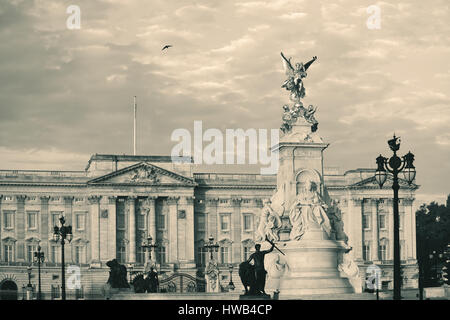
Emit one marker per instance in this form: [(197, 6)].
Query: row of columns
[(179, 228), (357, 239)]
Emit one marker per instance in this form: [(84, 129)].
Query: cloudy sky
[(66, 94)]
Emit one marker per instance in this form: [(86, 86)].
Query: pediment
[(143, 173), (371, 183)]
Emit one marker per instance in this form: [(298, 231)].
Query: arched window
[(9, 246), (383, 249), (248, 246), (202, 253), (225, 251), (31, 247), (122, 251), (79, 251)]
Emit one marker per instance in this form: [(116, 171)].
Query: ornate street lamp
[(39, 258), (148, 246), (62, 233), (29, 288), (395, 165), (231, 284), (211, 246)]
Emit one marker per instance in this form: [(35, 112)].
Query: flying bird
[(167, 46)]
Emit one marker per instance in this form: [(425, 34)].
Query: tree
[(433, 232)]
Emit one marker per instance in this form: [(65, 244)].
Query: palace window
[(382, 252), (382, 249), (140, 255), (54, 254), (8, 252), (31, 249), (122, 253), (8, 198), (55, 218), (248, 222), (80, 221), (161, 221), (224, 255), (202, 252), (366, 252), (225, 222), (247, 252), (223, 201), (8, 220), (161, 256), (141, 221), (201, 222), (366, 221), (382, 221), (32, 220), (80, 254)]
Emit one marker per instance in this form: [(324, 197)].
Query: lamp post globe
[(394, 165)]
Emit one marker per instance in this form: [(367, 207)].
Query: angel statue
[(269, 223), (295, 75)]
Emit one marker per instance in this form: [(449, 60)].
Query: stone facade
[(120, 200)]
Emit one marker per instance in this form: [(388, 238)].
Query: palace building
[(120, 200)]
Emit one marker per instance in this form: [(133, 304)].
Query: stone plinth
[(312, 267)]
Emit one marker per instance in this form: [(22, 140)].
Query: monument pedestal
[(312, 267)]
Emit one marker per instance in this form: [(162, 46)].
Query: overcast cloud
[(66, 94)]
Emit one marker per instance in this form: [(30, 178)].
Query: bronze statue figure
[(259, 270), (148, 284), (117, 275), (248, 278)]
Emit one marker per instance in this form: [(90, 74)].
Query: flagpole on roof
[(134, 126)]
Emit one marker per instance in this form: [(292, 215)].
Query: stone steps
[(176, 296)]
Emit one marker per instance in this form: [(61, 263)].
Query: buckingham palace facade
[(120, 200)]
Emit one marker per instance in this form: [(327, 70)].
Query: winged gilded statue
[(294, 82)]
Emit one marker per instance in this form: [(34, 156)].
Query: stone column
[(45, 232), (112, 241), (190, 256), (212, 218), (407, 227), (20, 227), (68, 211), (413, 243), (95, 230), (235, 234), (103, 221), (173, 229), (132, 228), (357, 228), (390, 248), (375, 229), (151, 217)]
